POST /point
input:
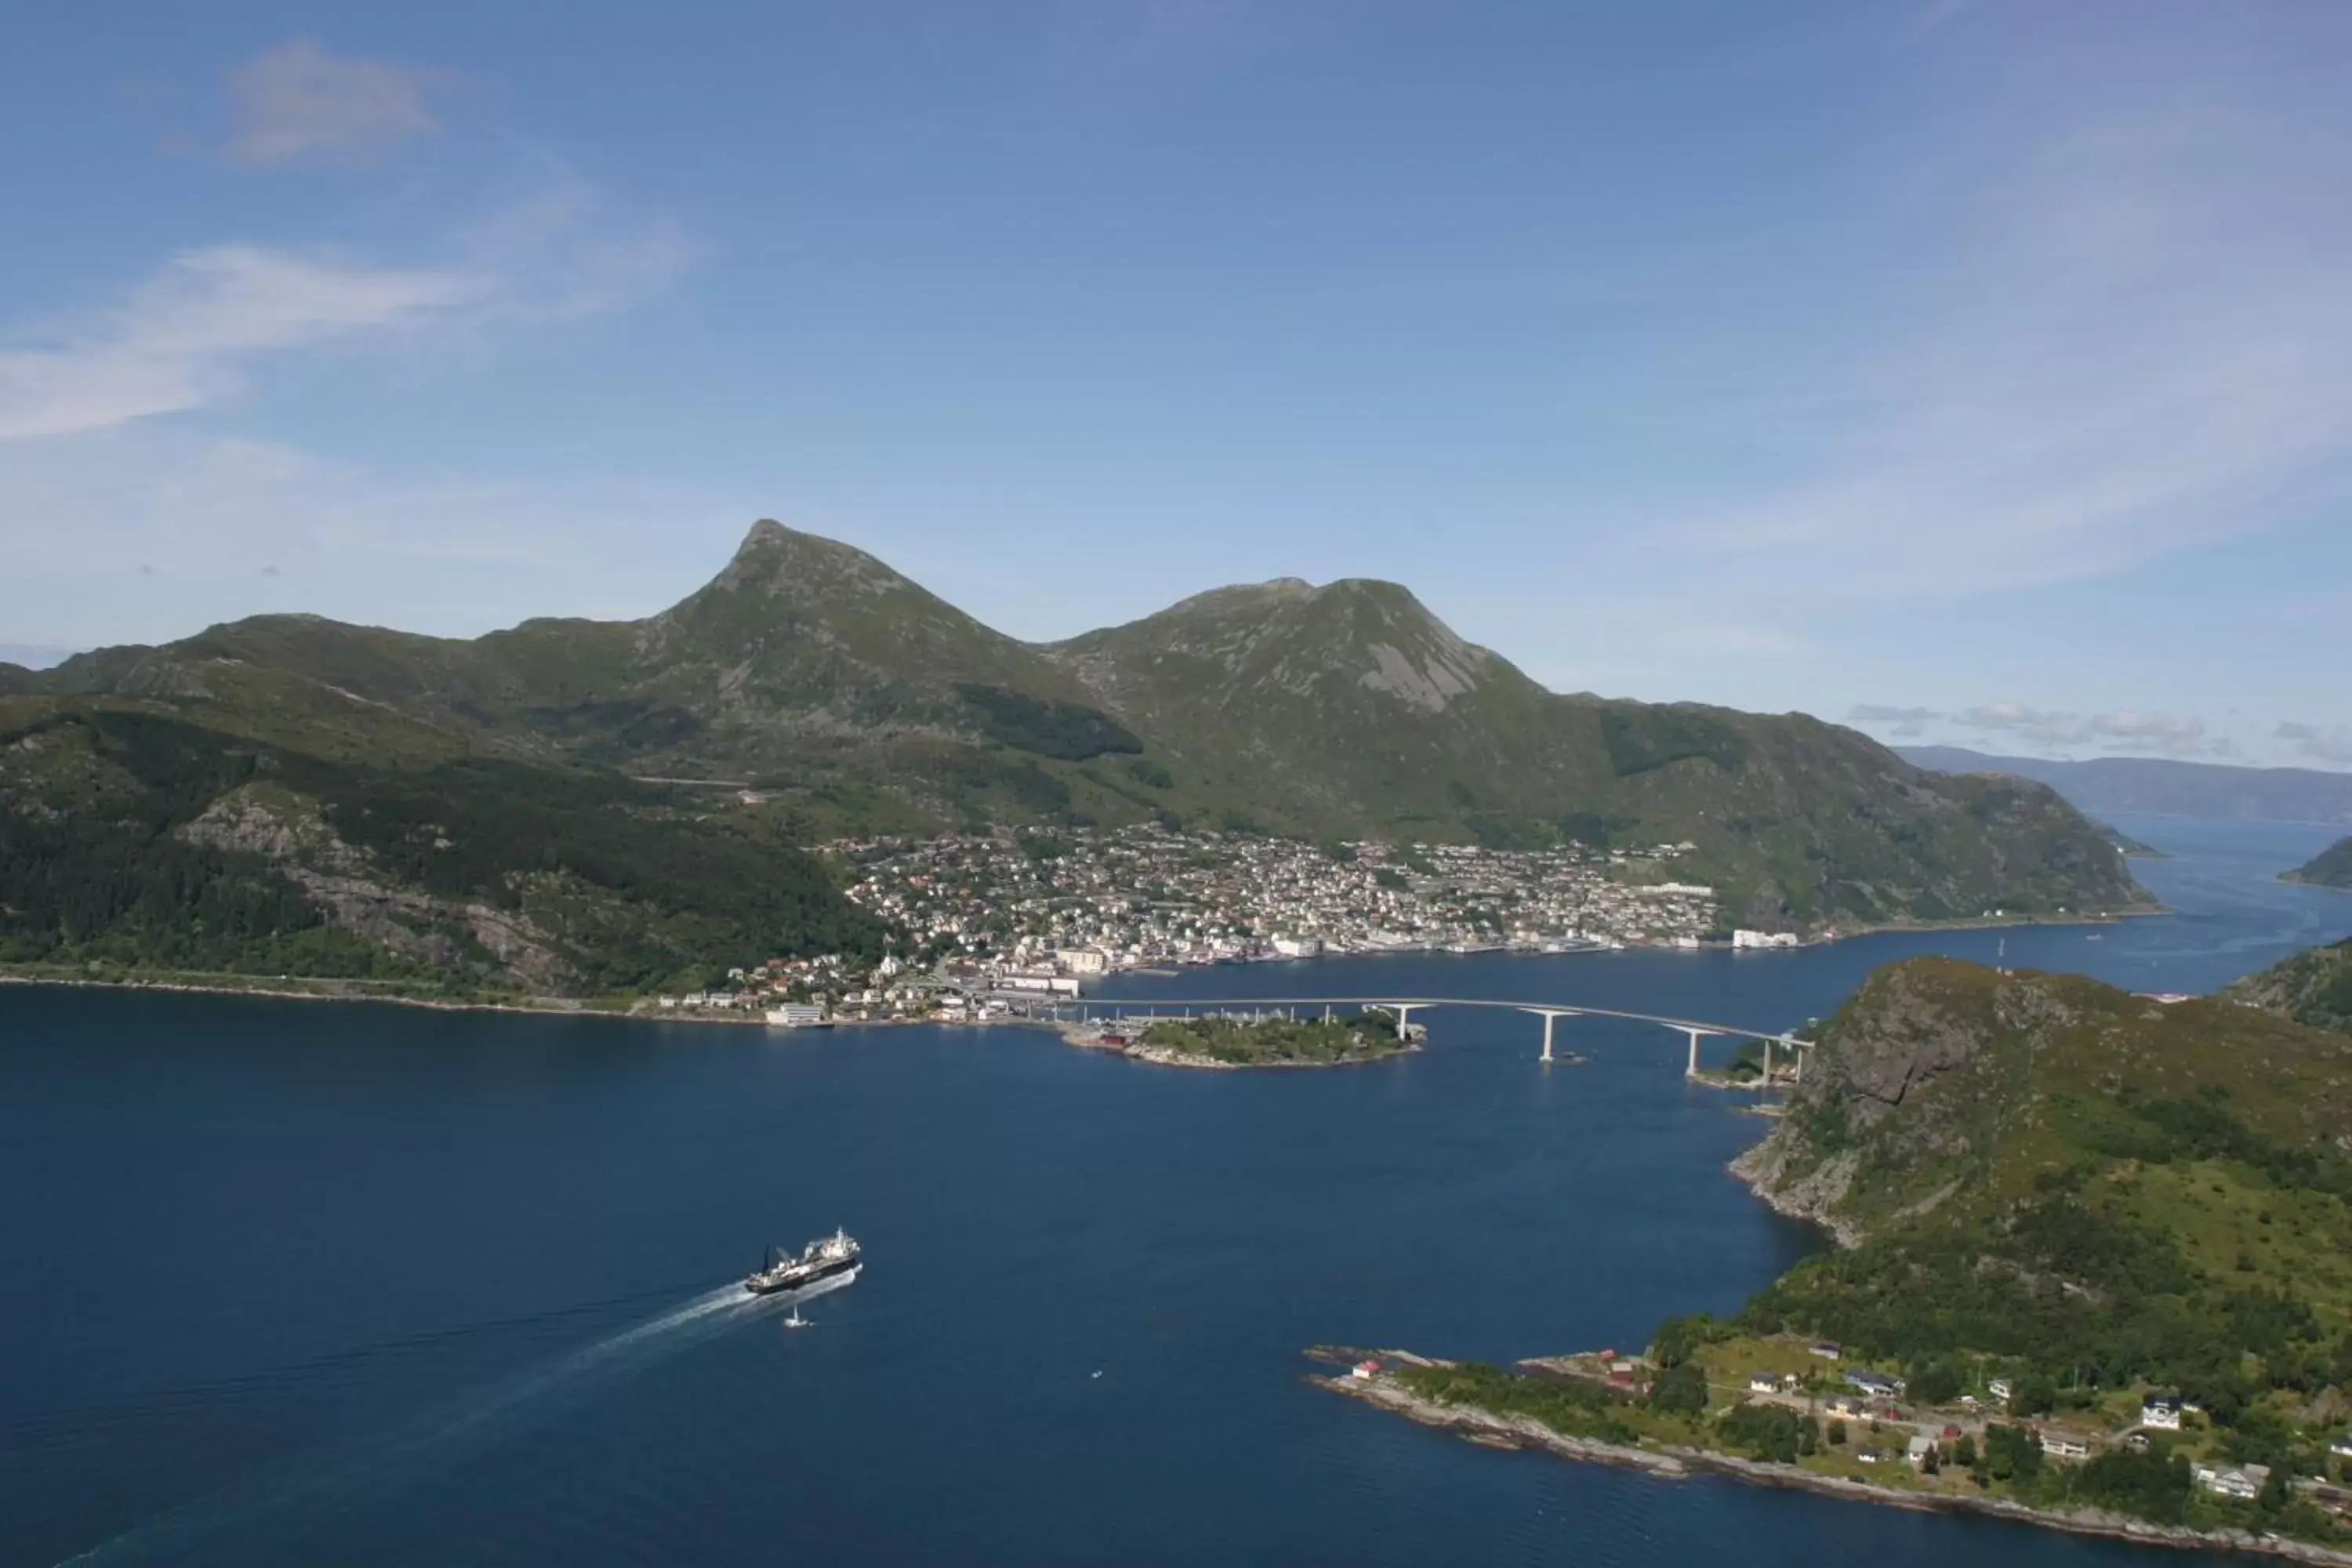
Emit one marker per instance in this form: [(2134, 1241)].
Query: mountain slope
[(1350, 709), (2161, 786), (865, 702), (2331, 868), (2312, 987), (2089, 1186), (130, 837)]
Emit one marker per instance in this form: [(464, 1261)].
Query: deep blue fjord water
[(291, 1282)]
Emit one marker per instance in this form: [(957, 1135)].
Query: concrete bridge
[(1405, 1007)]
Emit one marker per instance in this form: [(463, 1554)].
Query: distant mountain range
[(846, 698), (2162, 787)]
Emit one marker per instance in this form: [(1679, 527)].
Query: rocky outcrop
[(276, 824), (1912, 1028), (290, 831), (1814, 1196)]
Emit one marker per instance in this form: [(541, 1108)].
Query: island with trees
[(1252, 1040)]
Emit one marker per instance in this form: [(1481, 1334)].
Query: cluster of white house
[(1082, 900), (2158, 1412)]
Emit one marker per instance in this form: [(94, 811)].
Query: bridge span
[(1695, 1029)]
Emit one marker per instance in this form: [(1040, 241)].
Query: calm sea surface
[(291, 1282)]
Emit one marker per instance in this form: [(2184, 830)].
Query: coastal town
[(995, 922)]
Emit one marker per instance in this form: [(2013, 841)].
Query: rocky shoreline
[(1488, 1429)]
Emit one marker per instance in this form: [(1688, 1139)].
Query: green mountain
[(1350, 709), (134, 841), (845, 697), (2312, 987), (2331, 868), (2086, 1187), (2055, 1200), (806, 664)]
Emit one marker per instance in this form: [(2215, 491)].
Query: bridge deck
[(1733, 1031)]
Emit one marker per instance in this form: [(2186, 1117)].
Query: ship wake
[(315, 1486)]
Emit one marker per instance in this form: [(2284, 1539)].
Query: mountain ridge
[(2164, 786), (1343, 709)]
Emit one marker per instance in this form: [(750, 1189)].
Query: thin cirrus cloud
[(197, 331), (188, 335), (300, 104), (2136, 341)]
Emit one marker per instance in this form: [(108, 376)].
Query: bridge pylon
[(1691, 1068), (1550, 1015)]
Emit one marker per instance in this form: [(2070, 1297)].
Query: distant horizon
[(1906, 747), (1965, 373)]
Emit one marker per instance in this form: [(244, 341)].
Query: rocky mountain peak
[(784, 562)]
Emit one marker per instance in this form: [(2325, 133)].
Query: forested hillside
[(857, 701), (2092, 1189), (2312, 987), (135, 838)]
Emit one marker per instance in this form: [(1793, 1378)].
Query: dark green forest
[(109, 877)]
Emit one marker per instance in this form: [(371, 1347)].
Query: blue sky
[(1967, 371)]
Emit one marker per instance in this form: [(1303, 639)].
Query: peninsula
[(2095, 1270), (2331, 868)]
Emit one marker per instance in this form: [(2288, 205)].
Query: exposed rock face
[(1909, 1030), (1909, 1039), (1814, 1196), (277, 826), (288, 831)]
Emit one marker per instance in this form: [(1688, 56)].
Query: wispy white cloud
[(189, 335), (570, 252), (298, 103), (1881, 713), (2135, 338), (2320, 742), (2120, 729), (202, 327)]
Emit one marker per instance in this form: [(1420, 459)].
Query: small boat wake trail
[(312, 1486)]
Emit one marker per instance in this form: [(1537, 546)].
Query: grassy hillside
[(2313, 988), (2089, 1188)]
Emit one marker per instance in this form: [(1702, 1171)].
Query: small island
[(2331, 868), (1249, 1040)]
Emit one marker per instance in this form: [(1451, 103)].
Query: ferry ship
[(820, 1259)]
